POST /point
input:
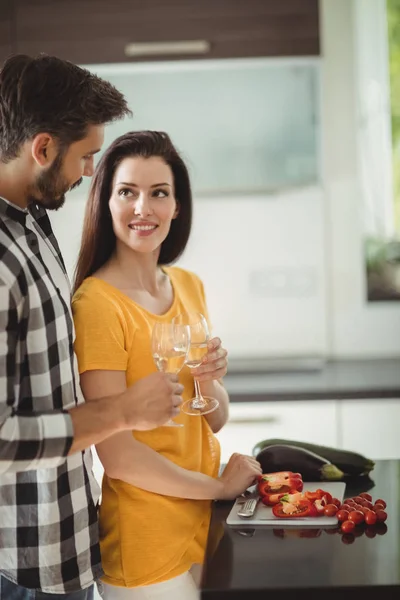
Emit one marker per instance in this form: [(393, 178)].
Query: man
[(52, 117)]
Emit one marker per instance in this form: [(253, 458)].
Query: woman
[(158, 485)]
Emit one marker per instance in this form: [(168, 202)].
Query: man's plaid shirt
[(48, 517)]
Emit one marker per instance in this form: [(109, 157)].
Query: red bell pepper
[(271, 499), (319, 499), (282, 482), (319, 495), (289, 510)]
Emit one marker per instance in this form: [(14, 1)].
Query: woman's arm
[(126, 459), (209, 375), (216, 389)]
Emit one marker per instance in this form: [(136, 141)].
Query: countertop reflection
[(323, 564)]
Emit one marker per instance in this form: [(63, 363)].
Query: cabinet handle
[(164, 48), (254, 420)]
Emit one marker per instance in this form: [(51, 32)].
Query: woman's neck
[(132, 270)]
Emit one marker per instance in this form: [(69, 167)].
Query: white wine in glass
[(196, 353), (170, 362), (170, 345), (199, 338)]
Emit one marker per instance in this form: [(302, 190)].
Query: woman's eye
[(124, 192), (160, 193)]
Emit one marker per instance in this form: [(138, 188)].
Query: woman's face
[(142, 203)]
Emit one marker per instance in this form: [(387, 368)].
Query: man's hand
[(151, 401)]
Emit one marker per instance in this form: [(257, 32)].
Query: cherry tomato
[(366, 496), (336, 502), (370, 532), (370, 517), (330, 510), (342, 515), (381, 516), (356, 516), (358, 499), (364, 502), (368, 504), (381, 528), (379, 501), (365, 510), (358, 531), (347, 526)]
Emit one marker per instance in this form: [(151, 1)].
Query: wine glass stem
[(198, 401)]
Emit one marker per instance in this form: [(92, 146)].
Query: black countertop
[(259, 562), (337, 380)]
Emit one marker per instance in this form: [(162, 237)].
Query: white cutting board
[(264, 515)]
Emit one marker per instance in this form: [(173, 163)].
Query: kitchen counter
[(337, 380), (254, 563)]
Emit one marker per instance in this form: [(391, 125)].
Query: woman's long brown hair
[(98, 238)]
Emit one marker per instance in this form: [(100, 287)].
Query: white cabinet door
[(371, 427), (250, 422)]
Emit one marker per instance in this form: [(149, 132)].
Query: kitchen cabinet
[(100, 31), (234, 145), (371, 427), (250, 422), (5, 29)]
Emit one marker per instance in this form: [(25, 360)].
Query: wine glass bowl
[(170, 343), (199, 338)]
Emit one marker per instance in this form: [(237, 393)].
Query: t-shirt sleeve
[(100, 341)]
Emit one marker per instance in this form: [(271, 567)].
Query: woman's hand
[(240, 472), (214, 364)]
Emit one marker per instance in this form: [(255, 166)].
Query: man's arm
[(27, 441), (33, 440)]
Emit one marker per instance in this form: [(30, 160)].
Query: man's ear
[(44, 149)]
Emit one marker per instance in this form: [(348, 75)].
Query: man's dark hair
[(47, 94)]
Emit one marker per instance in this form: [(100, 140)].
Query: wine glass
[(199, 338), (169, 346)]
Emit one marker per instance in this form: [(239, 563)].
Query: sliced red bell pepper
[(289, 510), (271, 499), (319, 499), (283, 482), (279, 475), (319, 495)]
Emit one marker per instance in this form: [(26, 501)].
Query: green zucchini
[(351, 463)]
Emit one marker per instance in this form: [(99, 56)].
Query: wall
[(285, 275), (262, 262), (356, 328)]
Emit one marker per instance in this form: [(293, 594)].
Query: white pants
[(182, 587)]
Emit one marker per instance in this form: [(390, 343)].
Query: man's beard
[(51, 186)]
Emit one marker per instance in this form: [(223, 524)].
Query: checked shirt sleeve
[(28, 439)]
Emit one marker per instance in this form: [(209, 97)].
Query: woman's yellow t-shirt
[(145, 537)]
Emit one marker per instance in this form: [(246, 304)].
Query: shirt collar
[(19, 214), (12, 211)]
